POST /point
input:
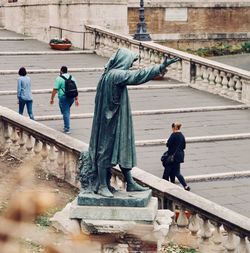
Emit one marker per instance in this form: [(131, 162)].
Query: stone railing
[(28, 139), (198, 72), (201, 223)]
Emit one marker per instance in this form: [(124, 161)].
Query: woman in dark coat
[(176, 145)]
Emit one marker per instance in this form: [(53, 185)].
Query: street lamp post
[(141, 31)]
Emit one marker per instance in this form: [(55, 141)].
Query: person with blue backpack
[(66, 87)]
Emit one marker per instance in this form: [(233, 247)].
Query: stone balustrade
[(201, 224), (27, 140), (196, 71)]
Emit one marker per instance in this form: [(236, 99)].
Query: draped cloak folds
[(112, 137)]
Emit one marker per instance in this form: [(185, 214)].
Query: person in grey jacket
[(24, 94)]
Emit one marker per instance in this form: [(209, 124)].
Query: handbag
[(168, 159)]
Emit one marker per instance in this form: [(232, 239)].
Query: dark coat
[(176, 144)]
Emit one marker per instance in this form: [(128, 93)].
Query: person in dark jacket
[(176, 145)]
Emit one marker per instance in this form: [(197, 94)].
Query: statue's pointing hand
[(168, 62)]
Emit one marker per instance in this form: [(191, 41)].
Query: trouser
[(28, 104), (174, 170), (65, 104)]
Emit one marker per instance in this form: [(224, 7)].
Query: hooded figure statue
[(112, 139)]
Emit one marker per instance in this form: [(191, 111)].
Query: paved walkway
[(202, 158), (240, 61)]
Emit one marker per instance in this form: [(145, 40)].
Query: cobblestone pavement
[(201, 158)]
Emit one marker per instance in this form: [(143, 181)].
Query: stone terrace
[(208, 116)]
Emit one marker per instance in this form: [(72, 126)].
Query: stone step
[(150, 112), (218, 176), (15, 38), (47, 71), (52, 52), (93, 89), (197, 139)]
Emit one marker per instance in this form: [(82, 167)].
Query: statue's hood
[(122, 59)]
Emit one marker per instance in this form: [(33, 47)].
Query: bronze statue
[(112, 137)]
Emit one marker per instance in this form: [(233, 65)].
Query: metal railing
[(60, 29)]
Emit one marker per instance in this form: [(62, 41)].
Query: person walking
[(176, 145), (66, 87), (24, 94)]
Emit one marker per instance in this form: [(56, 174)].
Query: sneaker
[(67, 131), (187, 188)]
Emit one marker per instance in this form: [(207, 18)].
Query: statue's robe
[(112, 139)]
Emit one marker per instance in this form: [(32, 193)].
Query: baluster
[(198, 73), (60, 163), (112, 45), (146, 57), (14, 139), (97, 43), (194, 227), (21, 143), (101, 48), (29, 146), (122, 43), (206, 234), (229, 243), (179, 232), (157, 57), (14, 136), (224, 83), (44, 155), (238, 87), (205, 77), (218, 81), (7, 136), (37, 147), (211, 78), (231, 83), (106, 46), (152, 57), (52, 159), (182, 221), (217, 239), (70, 168), (243, 246), (128, 45), (179, 70), (115, 44), (172, 69), (141, 60)]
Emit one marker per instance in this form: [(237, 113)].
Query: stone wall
[(190, 24), (34, 18)]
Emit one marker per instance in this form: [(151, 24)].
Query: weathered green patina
[(112, 139)]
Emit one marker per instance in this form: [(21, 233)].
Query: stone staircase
[(217, 129)]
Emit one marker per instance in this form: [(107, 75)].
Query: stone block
[(63, 223), (106, 226), (145, 214), (121, 198)]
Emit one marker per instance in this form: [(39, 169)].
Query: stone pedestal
[(115, 213), (121, 198)]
